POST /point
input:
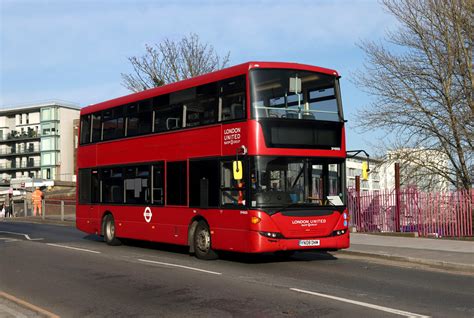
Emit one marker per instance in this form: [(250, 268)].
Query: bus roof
[(199, 80)]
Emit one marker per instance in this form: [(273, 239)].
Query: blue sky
[(75, 50)]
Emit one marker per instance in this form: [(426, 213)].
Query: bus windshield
[(282, 181), (314, 98)]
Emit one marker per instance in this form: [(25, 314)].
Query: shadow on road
[(244, 258), (266, 258)]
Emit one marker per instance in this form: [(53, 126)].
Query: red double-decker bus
[(248, 159)]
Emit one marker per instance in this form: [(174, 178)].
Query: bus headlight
[(271, 234), (339, 232)]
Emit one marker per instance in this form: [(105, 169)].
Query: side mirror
[(237, 169)]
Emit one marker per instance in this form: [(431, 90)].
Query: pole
[(62, 210), (397, 197), (358, 213), (43, 215), (25, 206)]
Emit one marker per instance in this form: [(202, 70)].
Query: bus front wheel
[(202, 242), (109, 231)]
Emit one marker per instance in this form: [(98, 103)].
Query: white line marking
[(360, 303), (12, 312), (23, 234), (180, 266), (73, 248), (8, 240)]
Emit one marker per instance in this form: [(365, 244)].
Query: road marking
[(360, 303), (8, 240), (180, 266), (73, 248), (12, 312), (23, 234), (27, 305)]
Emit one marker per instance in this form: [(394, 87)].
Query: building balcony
[(13, 153), (16, 136), (13, 166)]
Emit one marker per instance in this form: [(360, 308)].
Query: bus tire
[(202, 242), (109, 231)]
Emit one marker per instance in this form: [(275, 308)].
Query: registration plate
[(309, 243)]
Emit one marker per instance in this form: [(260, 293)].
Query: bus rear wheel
[(109, 231), (202, 242)]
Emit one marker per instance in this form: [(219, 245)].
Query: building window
[(46, 114), (48, 159), (351, 172), (48, 143)]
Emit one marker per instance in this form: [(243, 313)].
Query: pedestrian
[(37, 198), (2, 211), (8, 205)]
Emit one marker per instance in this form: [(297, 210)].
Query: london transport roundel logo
[(147, 214)]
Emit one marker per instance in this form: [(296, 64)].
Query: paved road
[(74, 275)]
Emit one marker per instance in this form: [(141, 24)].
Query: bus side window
[(86, 129), (84, 186), (112, 123), (176, 183), (167, 117), (139, 118), (232, 191), (136, 181), (232, 99), (158, 184), (112, 185), (96, 127), (203, 109), (204, 183)]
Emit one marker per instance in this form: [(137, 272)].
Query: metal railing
[(430, 214), (19, 151), (15, 135), (21, 165), (52, 209)]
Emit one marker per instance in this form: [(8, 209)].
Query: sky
[(75, 50)]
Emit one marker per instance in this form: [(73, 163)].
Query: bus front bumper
[(262, 244)]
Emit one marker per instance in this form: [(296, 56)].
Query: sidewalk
[(453, 255), (69, 219)]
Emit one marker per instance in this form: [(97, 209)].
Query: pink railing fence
[(435, 214)]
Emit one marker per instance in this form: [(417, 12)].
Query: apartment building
[(354, 168), (414, 170), (37, 141)]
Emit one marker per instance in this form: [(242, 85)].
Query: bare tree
[(171, 61), (422, 81)]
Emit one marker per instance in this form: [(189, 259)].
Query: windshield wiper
[(298, 176)]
